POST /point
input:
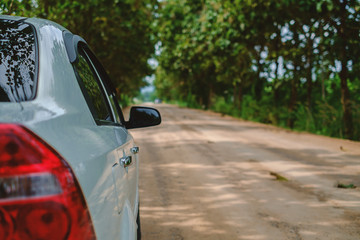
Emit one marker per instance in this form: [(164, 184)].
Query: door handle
[(134, 150), (125, 161)]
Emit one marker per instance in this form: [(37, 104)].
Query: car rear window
[(17, 67)]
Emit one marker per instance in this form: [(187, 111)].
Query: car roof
[(9, 17)]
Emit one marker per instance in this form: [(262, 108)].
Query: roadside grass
[(322, 119), (278, 177), (346, 186)]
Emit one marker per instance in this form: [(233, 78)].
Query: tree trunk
[(258, 85), (294, 85), (324, 72), (309, 74), (345, 93), (345, 101), (276, 79), (240, 94), (210, 96), (235, 100), (293, 99)]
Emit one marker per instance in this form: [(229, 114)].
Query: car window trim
[(107, 123), (37, 59)]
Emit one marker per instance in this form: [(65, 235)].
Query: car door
[(128, 156), (125, 170), (111, 222), (129, 162)]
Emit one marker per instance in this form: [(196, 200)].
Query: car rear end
[(40, 196)]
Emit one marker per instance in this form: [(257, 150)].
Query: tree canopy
[(289, 63)]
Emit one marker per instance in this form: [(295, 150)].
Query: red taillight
[(39, 195)]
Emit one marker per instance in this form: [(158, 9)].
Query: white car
[(68, 165)]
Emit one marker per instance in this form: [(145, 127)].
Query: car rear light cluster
[(40, 197)]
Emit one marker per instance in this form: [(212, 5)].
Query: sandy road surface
[(204, 176)]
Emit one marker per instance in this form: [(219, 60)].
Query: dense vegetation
[(119, 32), (292, 63)]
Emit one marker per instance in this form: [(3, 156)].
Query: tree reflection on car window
[(92, 88), (17, 67)]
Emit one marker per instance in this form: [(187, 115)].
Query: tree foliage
[(293, 63), (119, 32)]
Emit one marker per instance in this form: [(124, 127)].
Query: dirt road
[(204, 176)]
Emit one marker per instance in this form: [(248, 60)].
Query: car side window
[(110, 89), (92, 89)]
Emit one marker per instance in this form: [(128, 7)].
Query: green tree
[(292, 63)]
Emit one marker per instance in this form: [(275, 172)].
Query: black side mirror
[(143, 117)]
